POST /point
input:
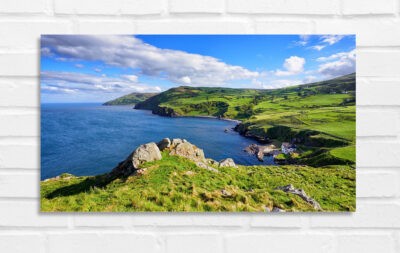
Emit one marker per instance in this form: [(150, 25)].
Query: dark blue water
[(89, 139)]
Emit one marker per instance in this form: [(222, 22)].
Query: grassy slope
[(177, 184), (322, 107), (130, 99)]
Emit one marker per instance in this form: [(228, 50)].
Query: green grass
[(177, 184), (130, 99), (324, 109), (348, 153)]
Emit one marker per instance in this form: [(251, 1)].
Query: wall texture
[(375, 227)]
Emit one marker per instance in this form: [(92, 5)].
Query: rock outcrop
[(176, 141), (260, 150), (144, 153), (164, 111), (179, 147), (164, 143), (302, 194), (189, 151), (227, 162)]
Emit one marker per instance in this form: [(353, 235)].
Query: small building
[(287, 148)]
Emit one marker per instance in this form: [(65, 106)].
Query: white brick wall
[(375, 227)]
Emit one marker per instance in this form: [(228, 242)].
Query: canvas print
[(198, 123)]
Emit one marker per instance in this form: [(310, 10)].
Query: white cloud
[(309, 79), (318, 47), (132, 78), (338, 64), (340, 55), (45, 51), (292, 65), (327, 40), (303, 40), (331, 39), (71, 82), (78, 65), (130, 52), (186, 80), (55, 89)]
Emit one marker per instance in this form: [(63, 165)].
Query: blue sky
[(83, 68)]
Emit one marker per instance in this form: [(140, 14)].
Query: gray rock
[(302, 194), (277, 210), (164, 143), (176, 141), (227, 162), (205, 166), (189, 151), (225, 193), (144, 153), (260, 150), (212, 162)]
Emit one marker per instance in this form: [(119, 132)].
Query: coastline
[(208, 117), (239, 127)]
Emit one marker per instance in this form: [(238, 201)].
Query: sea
[(90, 139)]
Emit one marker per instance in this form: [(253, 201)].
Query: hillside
[(130, 99), (318, 117), (181, 181)]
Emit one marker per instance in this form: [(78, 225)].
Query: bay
[(91, 139)]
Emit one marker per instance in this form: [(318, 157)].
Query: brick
[(278, 242), (192, 27), (377, 154), (386, 94), (364, 7), (365, 243), (368, 215), (283, 7), (102, 242), (19, 185), (22, 242), (28, 64), (377, 184), (276, 220), (11, 156), (26, 34), (283, 27), (22, 6), (193, 243), (377, 123), (19, 92), (117, 7), (87, 7), (369, 32), (378, 63), (19, 125), (99, 220), (200, 6), (106, 27), (143, 7), (26, 214), (209, 220)]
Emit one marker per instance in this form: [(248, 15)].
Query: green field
[(177, 184), (319, 115), (130, 99)]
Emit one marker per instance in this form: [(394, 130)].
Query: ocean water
[(90, 139)]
